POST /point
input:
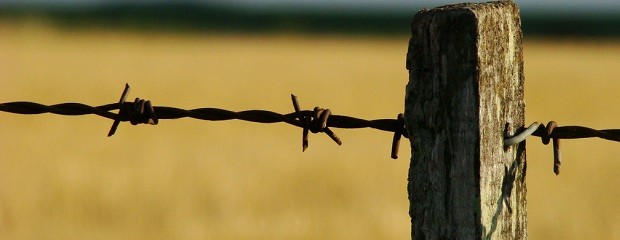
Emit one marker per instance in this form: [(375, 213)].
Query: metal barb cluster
[(143, 112), (315, 123), (553, 132)]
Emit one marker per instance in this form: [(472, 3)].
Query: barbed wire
[(141, 111), (318, 120), (553, 132)]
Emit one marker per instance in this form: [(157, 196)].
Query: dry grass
[(61, 178)]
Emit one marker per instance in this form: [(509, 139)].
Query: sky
[(557, 6), (573, 5)]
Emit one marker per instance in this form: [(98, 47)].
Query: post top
[(471, 7)]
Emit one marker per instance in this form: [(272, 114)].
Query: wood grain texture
[(465, 93)]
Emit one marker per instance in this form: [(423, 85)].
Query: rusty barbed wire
[(143, 112), (554, 132), (318, 120)]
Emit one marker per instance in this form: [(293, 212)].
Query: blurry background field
[(61, 178)]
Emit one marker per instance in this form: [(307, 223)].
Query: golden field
[(62, 178)]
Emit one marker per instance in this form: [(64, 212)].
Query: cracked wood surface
[(465, 93)]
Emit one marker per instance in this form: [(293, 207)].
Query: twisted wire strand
[(263, 116), (562, 132), (141, 111), (208, 114), (574, 132), (317, 121), (553, 132), (70, 109)]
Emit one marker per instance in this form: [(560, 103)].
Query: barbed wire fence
[(142, 111), (318, 120)]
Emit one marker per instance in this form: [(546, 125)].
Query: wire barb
[(551, 126), (316, 123), (117, 121), (141, 111), (304, 138), (397, 134)]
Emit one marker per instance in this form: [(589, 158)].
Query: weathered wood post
[(465, 93)]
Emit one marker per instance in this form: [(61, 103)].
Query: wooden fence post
[(465, 94)]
